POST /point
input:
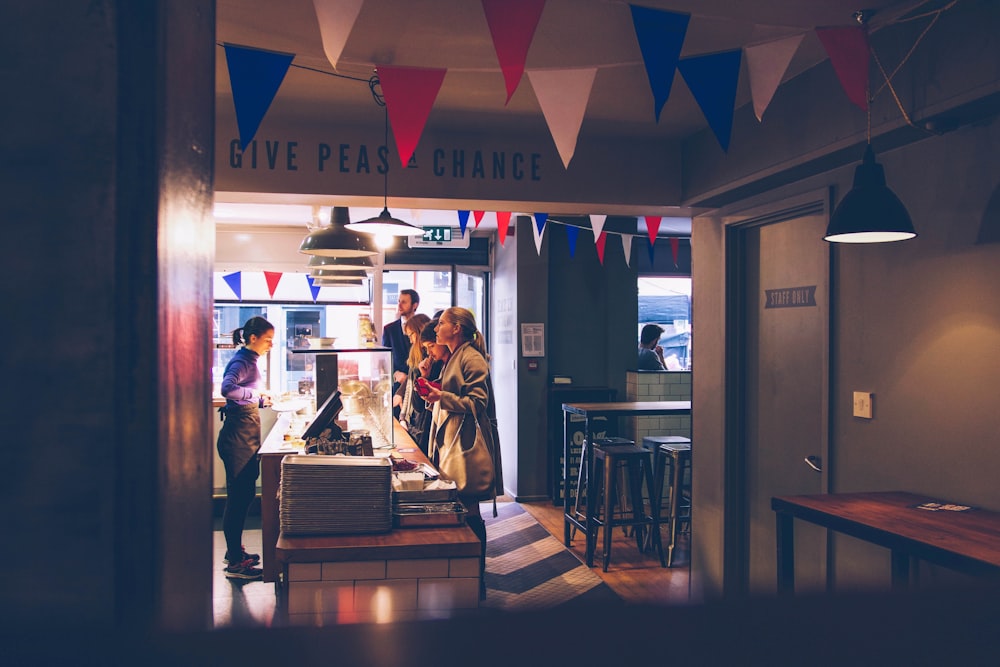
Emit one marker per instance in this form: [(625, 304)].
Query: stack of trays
[(335, 495)]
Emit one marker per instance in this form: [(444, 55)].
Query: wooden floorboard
[(635, 576)]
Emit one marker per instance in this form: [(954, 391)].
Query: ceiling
[(454, 34)]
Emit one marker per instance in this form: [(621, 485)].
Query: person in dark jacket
[(240, 439), (395, 338)]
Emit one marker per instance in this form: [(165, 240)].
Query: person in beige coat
[(465, 398)]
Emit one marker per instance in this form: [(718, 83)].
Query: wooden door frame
[(736, 224)]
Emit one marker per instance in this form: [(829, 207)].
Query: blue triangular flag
[(572, 232), (313, 288), (712, 80), (661, 35), (651, 247), (254, 76), (235, 282), (540, 219), (463, 221)]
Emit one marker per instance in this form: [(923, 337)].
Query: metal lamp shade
[(336, 240), (338, 282), (870, 212), (335, 275), (341, 263), (385, 225)]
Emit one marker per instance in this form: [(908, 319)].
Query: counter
[(405, 574)]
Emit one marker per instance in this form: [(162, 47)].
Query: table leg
[(591, 501), (900, 570), (786, 553), (566, 523)]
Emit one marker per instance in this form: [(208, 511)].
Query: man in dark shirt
[(393, 336)]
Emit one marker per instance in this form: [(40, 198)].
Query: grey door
[(785, 304)]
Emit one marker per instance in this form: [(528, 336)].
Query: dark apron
[(239, 438)]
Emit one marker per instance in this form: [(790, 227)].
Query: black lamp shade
[(336, 240), (385, 225), (341, 263), (870, 212)]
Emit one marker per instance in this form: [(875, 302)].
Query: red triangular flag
[(409, 95), (512, 26), (849, 54), (503, 220), (272, 278), (653, 227), (674, 246), (478, 217), (600, 246)]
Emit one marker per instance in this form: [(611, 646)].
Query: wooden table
[(590, 411), (967, 542)]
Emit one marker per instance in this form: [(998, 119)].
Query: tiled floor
[(236, 602)]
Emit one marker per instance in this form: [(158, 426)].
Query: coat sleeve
[(464, 385)]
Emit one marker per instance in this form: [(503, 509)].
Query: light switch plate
[(863, 404)]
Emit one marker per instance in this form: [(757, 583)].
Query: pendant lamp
[(336, 240), (354, 273), (338, 282), (341, 263), (870, 212), (384, 227)]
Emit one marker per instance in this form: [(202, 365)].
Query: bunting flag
[(602, 238), (651, 249), (661, 36), (563, 95), (272, 278), (478, 217), (536, 230), (849, 54), (766, 66), (512, 27), (572, 232), (627, 247), (712, 80), (597, 224), (540, 219), (503, 221), (336, 20), (653, 227), (675, 245), (409, 95), (235, 282), (254, 76), (463, 221), (313, 288)]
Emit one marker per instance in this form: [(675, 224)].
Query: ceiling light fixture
[(338, 282), (321, 273), (870, 212), (384, 227), (335, 240), (340, 263)]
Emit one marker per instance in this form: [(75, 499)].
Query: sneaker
[(254, 557), (244, 570)]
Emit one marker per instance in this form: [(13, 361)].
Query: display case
[(364, 378)]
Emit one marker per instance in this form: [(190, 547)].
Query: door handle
[(814, 462)]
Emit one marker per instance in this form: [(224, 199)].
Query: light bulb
[(383, 240)]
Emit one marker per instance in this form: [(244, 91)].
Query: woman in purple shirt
[(239, 440)]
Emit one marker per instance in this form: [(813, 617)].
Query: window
[(667, 301)]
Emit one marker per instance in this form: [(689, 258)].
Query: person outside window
[(650, 352)]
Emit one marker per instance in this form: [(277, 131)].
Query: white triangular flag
[(627, 247), (597, 222), (766, 65), (538, 237), (336, 20), (562, 94)]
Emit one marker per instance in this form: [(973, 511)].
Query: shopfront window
[(667, 301), (433, 286)]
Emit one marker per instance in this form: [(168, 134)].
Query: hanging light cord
[(936, 14), (374, 83)]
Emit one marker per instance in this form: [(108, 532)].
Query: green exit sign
[(437, 234)]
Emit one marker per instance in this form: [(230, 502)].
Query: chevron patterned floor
[(527, 568)]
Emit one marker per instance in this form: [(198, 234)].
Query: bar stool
[(583, 474), (651, 443), (678, 456), (636, 462)]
